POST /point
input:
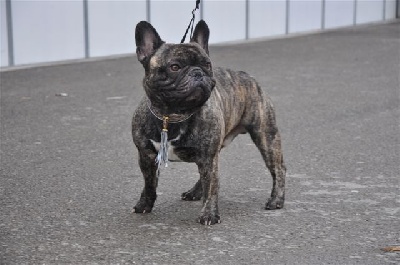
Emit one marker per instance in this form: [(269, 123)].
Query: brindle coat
[(236, 105)]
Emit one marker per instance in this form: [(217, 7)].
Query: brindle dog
[(207, 108)]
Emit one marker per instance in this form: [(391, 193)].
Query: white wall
[(369, 11), (268, 18), (390, 9), (305, 15), (171, 18), (226, 19), (339, 13), (112, 26), (45, 31), (55, 30)]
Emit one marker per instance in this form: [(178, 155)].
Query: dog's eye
[(208, 65), (175, 68)]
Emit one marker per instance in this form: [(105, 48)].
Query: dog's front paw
[(144, 205), (209, 219), (274, 203)]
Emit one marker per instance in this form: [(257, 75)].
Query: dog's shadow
[(177, 211)]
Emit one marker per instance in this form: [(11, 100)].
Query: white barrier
[(34, 31)]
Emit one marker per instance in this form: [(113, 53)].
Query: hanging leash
[(191, 23)]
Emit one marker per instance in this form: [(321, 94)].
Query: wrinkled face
[(179, 77)]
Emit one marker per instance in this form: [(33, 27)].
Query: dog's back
[(242, 101)]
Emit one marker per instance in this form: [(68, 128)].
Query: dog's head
[(178, 77)]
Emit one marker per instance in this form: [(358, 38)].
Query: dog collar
[(172, 117)]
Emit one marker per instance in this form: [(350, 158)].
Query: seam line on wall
[(323, 8), (86, 28), (10, 39), (247, 19), (355, 13), (287, 27), (148, 14), (384, 10)]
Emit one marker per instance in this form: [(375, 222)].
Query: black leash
[(191, 23)]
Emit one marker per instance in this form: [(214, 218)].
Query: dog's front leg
[(149, 195), (208, 170)]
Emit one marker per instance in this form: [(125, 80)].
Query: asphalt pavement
[(69, 172)]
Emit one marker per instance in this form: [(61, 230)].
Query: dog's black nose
[(197, 74)]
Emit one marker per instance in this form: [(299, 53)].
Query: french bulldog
[(201, 109)]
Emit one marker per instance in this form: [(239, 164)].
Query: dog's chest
[(178, 149), (172, 155)]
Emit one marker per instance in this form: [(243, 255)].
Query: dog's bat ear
[(201, 35), (147, 41)]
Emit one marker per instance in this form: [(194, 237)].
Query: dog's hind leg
[(265, 135)]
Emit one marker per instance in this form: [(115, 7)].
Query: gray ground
[(69, 175)]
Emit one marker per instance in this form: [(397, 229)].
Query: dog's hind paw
[(188, 196), (192, 195)]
